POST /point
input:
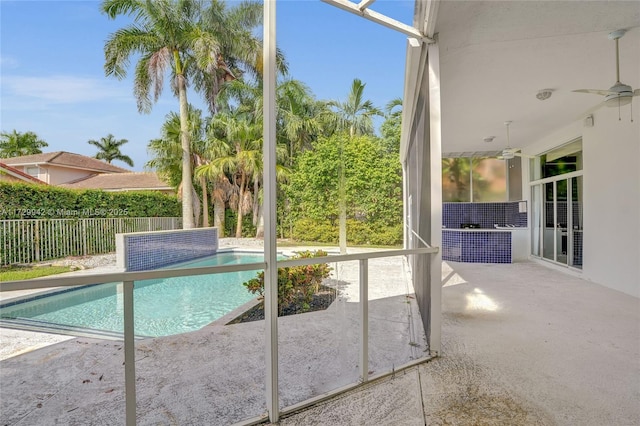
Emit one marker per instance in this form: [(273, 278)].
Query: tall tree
[(195, 43), (355, 116), (391, 128), (373, 188), (17, 144), (300, 117), (109, 149), (243, 98), (166, 158), (300, 120), (239, 154)]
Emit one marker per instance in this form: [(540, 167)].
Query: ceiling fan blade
[(594, 91)]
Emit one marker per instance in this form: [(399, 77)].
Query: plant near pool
[(296, 284)]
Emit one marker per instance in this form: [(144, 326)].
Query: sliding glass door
[(556, 196), (557, 220)]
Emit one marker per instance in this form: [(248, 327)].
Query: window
[(33, 171), (456, 180), (466, 179), (489, 180), (563, 159)]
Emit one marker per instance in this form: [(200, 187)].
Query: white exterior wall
[(611, 155), (55, 175)]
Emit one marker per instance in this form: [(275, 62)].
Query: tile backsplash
[(484, 214)]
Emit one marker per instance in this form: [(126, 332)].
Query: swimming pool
[(162, 307)]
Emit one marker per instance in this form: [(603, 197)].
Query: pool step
[(29, 324)]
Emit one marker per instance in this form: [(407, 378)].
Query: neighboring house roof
[(4, 168), (120, 182), (65, 159)]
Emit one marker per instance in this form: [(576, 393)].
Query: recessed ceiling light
[(489, 139)]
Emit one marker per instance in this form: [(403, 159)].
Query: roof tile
[(63, 158), (120, 181)]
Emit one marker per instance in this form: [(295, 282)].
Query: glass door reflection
[(576, 224), (561, 221)]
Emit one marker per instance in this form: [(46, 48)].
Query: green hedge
[(28, 201), (358, 232)]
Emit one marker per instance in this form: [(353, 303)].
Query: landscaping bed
[(319, 302)]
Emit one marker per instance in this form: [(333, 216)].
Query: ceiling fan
[(619, 94), (509, 153)]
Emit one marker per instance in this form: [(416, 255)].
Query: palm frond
[(113, 8), (157, 65), (142, 85)]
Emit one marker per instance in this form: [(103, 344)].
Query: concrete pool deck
[(182, 378), (522, 344)]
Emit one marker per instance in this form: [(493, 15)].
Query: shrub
[(27, 201), (314, 230), (296, 284), (358, 232), (231, 221)]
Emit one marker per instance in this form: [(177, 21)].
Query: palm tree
[(391, 128), (300, 120), (166, 158), (246, 98), (239, 154), (195, 43), (300, 117), (17, 144), (109, 149), (354, 116)]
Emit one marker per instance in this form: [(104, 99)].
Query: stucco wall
[(58, 175), (611, 153), (55, 175)]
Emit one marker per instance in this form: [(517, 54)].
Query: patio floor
[(522, 345)]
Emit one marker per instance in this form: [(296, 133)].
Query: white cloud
[(63, 89), (8, 62)]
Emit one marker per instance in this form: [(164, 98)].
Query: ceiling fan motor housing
[(508, 154), (620, 91)]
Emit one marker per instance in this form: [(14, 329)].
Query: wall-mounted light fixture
[(588, 121)]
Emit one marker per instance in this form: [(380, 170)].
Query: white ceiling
[(496, 55)]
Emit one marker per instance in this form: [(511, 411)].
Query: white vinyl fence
[(35, 240)]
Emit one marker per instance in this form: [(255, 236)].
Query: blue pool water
[(162, 307)]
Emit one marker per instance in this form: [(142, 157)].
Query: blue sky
[(52, 79)]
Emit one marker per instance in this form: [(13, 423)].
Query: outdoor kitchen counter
[(485, 245)]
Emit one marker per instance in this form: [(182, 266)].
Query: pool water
[(162, 307)]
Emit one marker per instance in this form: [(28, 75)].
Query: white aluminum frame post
[(270, 235), (435, 204)]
